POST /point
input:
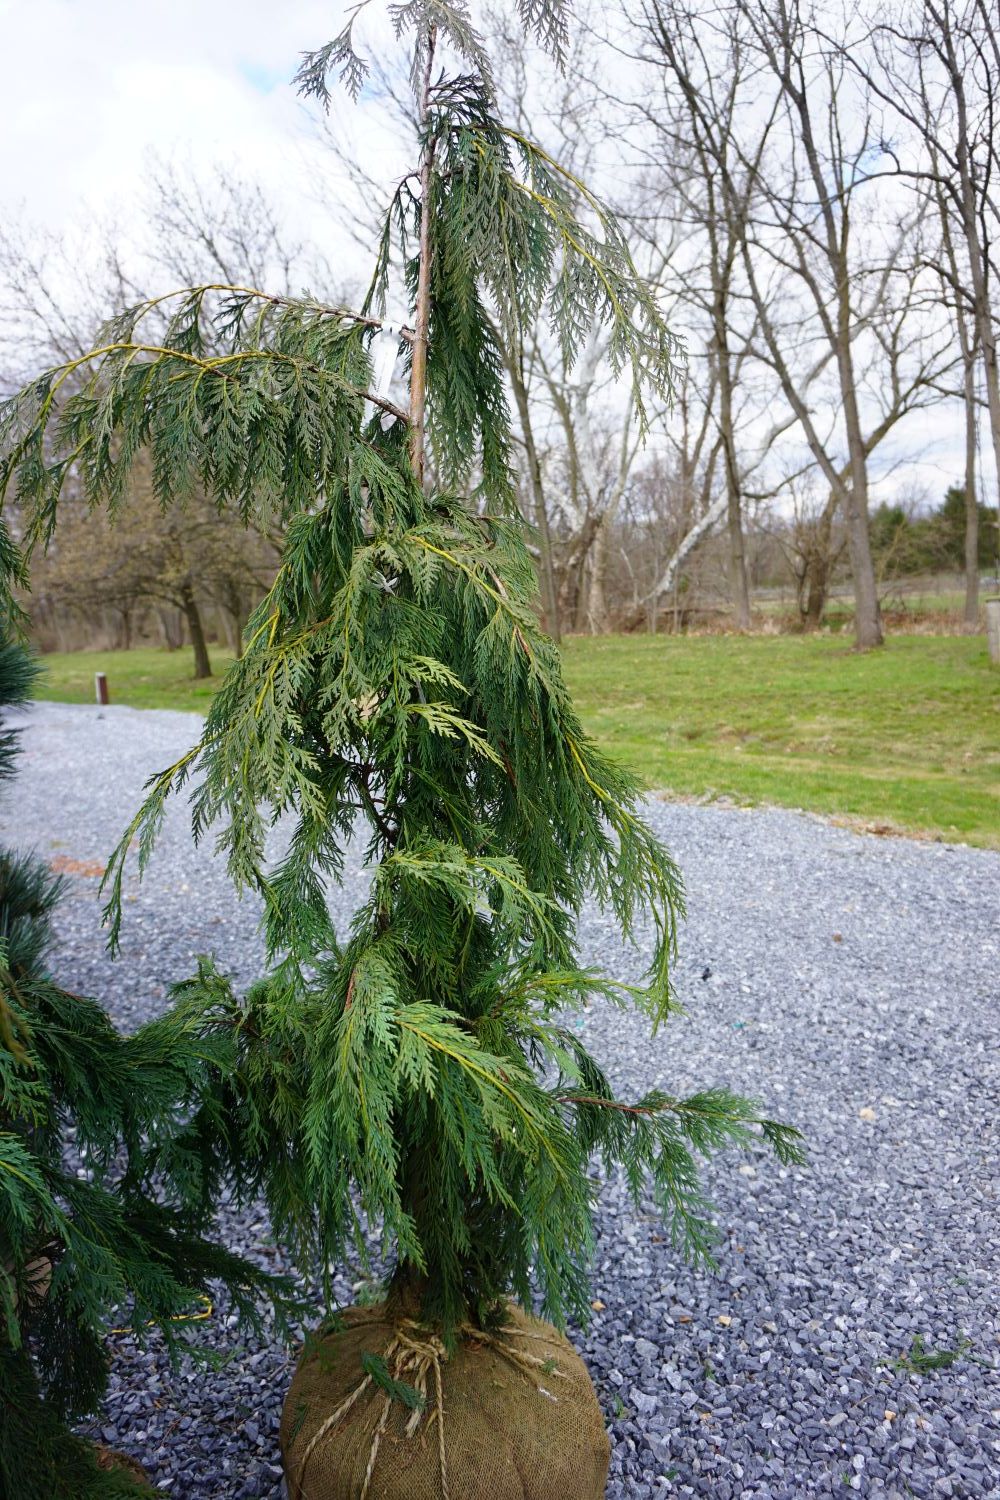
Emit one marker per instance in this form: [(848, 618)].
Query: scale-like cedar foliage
[(85, 1231), (418, 1071)]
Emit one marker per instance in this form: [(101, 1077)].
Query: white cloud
[(92, 87)]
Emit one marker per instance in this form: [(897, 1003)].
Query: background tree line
[(811, 190), (814, 192)]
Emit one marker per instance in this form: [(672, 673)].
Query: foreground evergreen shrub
[(416, 1077), (86, 1233)]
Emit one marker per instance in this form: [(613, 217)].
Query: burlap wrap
[(509, 1416)]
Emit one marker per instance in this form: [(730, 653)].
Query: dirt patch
[(64, 864)]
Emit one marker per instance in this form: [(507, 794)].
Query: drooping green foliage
[(417, 1072), (87, 1228)]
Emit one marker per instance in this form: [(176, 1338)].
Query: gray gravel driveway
[(850, 983)]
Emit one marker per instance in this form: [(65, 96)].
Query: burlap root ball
[(508, 1416), (111, 1461)]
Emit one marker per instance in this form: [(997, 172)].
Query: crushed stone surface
[(849, 983)]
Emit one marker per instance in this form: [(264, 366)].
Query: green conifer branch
[(410, 1077)]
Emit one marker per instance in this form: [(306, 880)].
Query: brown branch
[(418, 366), (371, 807), (625, 1109), (277, 300)]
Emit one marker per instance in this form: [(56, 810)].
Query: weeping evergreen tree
[(85, 1231), (416, 1075)]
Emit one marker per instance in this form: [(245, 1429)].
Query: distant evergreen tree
[(905, 544), (902, 544), (950, 526), (89, 1222), (417, 1073)]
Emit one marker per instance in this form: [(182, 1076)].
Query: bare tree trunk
[(571, 587), (189, 604), (125, 627), (598, 615), (817, 589), (814, 545), (971, 616), (965, 327), (973, 220), (233, 620), (817, 582), (170, 627), (232, 607), (739, 588), (547, 577), (988, 345), (867, 613), (739, 591)]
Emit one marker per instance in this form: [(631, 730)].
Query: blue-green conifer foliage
[(417, 1074)]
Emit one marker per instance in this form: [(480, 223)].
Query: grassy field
[(146, 678), (906, 737)]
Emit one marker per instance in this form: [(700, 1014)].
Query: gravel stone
[(826, 1273)]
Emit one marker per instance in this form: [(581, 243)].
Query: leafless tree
[(813, 540), (221, 226), (966, 330), (851, 266), (192, 559), (584, 419), (186, 561), (935, 66), (811, 182), (695, 116)]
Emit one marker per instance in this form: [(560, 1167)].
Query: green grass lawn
[(147, 678), (906, 736)]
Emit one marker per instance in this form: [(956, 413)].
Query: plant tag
[(384, 352)]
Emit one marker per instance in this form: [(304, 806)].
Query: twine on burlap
[(411, 1355)]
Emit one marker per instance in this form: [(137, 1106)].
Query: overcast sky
[(92, 88)]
